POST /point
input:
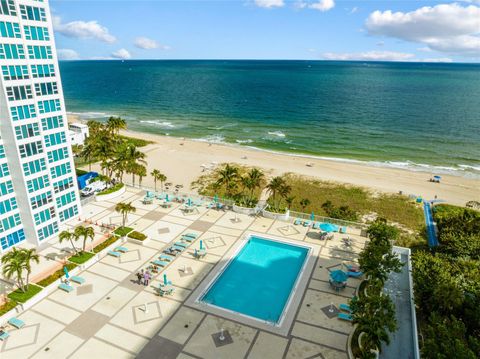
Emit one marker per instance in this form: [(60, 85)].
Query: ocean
[(418, 116)]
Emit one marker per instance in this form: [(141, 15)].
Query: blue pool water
[(259, 280)]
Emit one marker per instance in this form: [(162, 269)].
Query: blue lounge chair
[(345, 307), (188, 239), (165, 257), (354, 274), (344, 316), (178, 248), (306, 223), (67, 288), (181, 244), (4, 335), (160, 263), (121, 249), (114, 253), (150, 194), (200, 253), (77, 279), (191, 235), (316, 225), (17, 323), (297, 221)]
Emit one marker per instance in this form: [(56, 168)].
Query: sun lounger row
[(14, 322), (67, 287)]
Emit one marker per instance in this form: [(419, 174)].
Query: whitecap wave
[(217, 128), (277, 133), (88, 115), (244, 141), (161, 124), (212, 139)]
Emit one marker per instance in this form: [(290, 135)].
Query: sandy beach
[(183, 160)]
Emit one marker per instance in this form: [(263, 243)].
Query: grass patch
[(80, 172), (19, 296), (105, 244), (8, 306), (123, 231), (112, 189), (139, 142), (56, 275), (137, 235), (81, 257)]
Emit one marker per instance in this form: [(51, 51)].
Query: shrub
[(8, 306), (81, 257), (114, 188), (123, 231), (22, 297), (137, 235), (55, 275), (105, 244)]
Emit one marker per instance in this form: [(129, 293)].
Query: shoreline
[(182, 159)]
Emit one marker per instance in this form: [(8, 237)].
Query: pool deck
[(111, 315)]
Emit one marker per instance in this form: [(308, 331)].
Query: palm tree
[(124, 209), (155, 174), (85, 232), (275, 187), (141, 172), (162, 178), (257, 178), (13, 265), (29, 256), (88, 151), (94, 127), (68, 236), (115, 124), (289, 201), (228, 176), (304, 203)]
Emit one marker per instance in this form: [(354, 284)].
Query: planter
[(249, 211), (109, 196), (376, 352), (137, 241), (272, 215)]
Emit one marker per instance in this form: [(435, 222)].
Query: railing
[(338, 222)]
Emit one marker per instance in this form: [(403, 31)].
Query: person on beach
[(139, 277), (142, 276), (146, 278)]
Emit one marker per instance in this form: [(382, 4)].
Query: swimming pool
[(259, 280)]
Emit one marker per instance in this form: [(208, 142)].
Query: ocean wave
[(218, 128), (162, 124), (212, 139), (276, 133), (88, 115), (244, 141)]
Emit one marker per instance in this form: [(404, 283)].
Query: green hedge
[(112, 189), (54, 276), (123, 231), (22, 297), (137, 235), (81, 257), (105, 244), (80, 172), (8, 306), (138, 142)]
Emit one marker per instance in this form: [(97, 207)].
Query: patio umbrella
[(166, 197), (312, 216), (328, 227), (215, 198), (165, 281), (201, 244), (65, 269), (338, 276), (189, 202)]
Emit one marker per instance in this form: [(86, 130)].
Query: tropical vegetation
[(15, 263), (137, 235), (124, 209), (447, 286)]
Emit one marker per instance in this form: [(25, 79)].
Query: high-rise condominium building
[(38, 189)]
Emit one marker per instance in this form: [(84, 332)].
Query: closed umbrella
[(215, 198), (189, 202), (65, 269), (165, 281), (201, 244), (312, 216), (338, 276)]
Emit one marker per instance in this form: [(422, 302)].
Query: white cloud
[(320, 5), (67, 54), (269, 3), (436, 59), (83, 30), (448, 28), (122, 54), (148, 44), (369, 56), (354, 10)]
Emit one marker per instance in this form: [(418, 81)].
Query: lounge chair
[(191, 235), (344, 316), (170, 251), (160, 263), (165, 257), (345, 307), (177, 248), (188, 239), (4, 335), (354, 274), (343, 230), (199, 253), (67, 288), (121, 249), (297, 221), (114, 253), (77, 279), (17, 323), (150, 194), (306, 224), (316, 225), (165, 289), (181, 244), (147, 200)]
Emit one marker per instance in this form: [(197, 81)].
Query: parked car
[(92, 188)]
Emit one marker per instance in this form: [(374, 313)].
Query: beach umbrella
[(65, 269), (165, 281), (312, 216), (338, 276), (201, 244)]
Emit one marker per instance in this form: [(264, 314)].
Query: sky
[(413, 30)]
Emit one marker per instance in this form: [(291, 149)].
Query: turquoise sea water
[(264, 273), (412, 115)]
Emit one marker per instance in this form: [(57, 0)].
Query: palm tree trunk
[(73, 246), (155, 183), (28, 278), (20, 281), (84, 243)]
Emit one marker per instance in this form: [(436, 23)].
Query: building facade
[(38, 189)]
